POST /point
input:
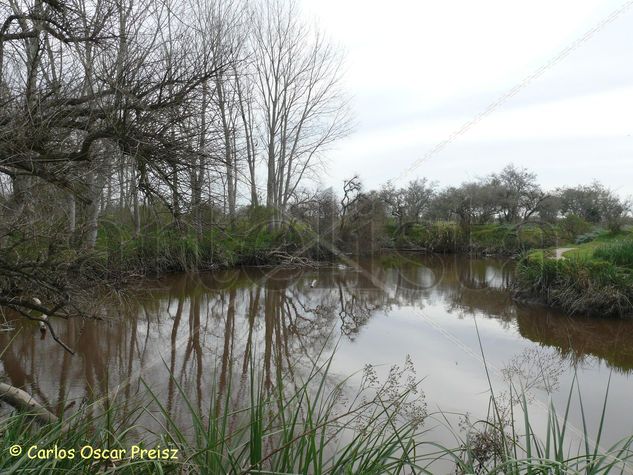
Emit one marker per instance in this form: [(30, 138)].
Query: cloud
[(420, 70)]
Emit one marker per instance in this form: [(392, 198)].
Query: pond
[(446, 314)]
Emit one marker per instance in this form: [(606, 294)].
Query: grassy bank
[(167, 247), (594, 278), (163, 248), (450, 237)]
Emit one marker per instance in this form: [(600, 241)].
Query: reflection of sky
[(435, 326), (454, 376)]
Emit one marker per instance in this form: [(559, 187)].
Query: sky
[(543, 85)]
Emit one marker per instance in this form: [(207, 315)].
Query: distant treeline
[(512, 199), (511, 196)]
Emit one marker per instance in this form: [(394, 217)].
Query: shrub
[(587, 237), (439, 236), (573, 225)]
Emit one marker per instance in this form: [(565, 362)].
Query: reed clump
[(600, 284)]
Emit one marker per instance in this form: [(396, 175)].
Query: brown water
[(205, 327)]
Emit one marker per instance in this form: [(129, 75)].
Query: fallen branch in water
[(286, 259), (50, 328), (24, 402), (18, 305)]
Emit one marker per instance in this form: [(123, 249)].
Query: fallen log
[(25, 403)]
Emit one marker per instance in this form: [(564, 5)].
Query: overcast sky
[(419, 70)]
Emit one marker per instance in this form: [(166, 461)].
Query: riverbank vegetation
[(593, 278), (502, 213), (137, 135)]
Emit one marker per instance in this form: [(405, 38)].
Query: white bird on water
[(313, 283), (37, 301)]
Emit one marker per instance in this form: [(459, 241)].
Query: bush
[(439, 236), (573, 225), (448, 236), (510, 239), (587, 237)]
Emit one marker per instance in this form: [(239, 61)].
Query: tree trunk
[(72, 214), (136, 212)]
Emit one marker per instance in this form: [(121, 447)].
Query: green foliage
[(169, 248), (495, 238), (162, 250), (619, 253), (447, 236), (578, 284), (573, 225), (438, 236), (496, 444), (587, 237)]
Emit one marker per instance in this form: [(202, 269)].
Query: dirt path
[(560, 251)]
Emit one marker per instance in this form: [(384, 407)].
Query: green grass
[(602, 238), (509, 239), (619, 253), (594, 278), (278, 428), (495, 238), (439, 236), (506, 440), (168, 248)]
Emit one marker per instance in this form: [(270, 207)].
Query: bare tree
[(88, 87), (149, 112), (298, 94)]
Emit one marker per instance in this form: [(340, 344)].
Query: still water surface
[(446, 313)]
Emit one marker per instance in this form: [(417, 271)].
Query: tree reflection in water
[(204, 329)]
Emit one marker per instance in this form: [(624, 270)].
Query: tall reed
[(313, 427)]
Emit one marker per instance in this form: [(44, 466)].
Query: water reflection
[(205, 328), (611, 341)]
